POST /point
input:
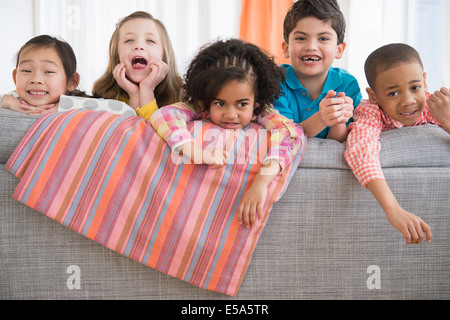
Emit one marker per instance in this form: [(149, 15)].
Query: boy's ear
[(285, 48), (73, 82), (340, 50), (372, 96), (425, 81)]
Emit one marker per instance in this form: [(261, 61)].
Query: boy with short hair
[(318, 96), (398, 97)]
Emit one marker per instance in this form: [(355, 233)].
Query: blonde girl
[(142, 70)]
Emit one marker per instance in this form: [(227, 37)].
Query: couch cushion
[(421, 146), (13, 126)]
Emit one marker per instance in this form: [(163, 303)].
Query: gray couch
[(327, 238)]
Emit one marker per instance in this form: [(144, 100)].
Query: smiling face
[(401, 92), (139, 46), (232, 108), (40, 78), (312, 48)]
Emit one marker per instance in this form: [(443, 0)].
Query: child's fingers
[(415, 235), (427, 230), (247, 214), (260, 208), (416, 232), (445, 91), (331, 94), (239, 213), (243, 214)]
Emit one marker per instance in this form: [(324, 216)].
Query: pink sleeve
[(286, 136), (170, 123)]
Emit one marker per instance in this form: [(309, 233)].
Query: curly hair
[(222, 61)]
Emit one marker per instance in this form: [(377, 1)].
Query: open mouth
[(311, 59), (139, 62)]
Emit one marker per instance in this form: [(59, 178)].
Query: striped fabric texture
[(112, 179)]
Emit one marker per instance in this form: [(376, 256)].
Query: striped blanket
[(112, 179)]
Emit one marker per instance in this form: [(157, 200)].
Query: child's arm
[(334, 111), (286, 136), (439, 105), (286, 140), (410, 226), (362, 156), (170, 124), (15, 104), (215, 157), (253, 200)]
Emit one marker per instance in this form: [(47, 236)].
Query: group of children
[(233, 82)]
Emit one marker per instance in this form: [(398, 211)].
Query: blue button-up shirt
[(297, 105)]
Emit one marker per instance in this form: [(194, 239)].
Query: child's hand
[(439, 105), (411, 226), (335, 108), (252, 204), (15, 104), (159, 71), (40, 110), (253, 200), (215, 157), (132, 89)]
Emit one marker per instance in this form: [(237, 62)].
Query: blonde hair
[(167, 92)]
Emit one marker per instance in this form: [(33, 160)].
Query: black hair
[(223, 61), (64, 51), (387, 57)]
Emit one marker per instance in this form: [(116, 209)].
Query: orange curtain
[(262, 25)]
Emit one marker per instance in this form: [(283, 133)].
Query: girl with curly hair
[(231, 83)]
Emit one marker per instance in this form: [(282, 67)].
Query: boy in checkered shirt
[(398, 98)]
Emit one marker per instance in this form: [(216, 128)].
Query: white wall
[(190, 23), (16, 23)]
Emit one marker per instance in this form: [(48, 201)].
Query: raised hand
[(439, 105)]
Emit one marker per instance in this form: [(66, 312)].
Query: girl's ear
[(14, 75), (257, 109), (73, 82)]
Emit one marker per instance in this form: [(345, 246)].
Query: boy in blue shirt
[(318, 96)]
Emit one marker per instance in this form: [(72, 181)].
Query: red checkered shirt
[(363, 145)]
